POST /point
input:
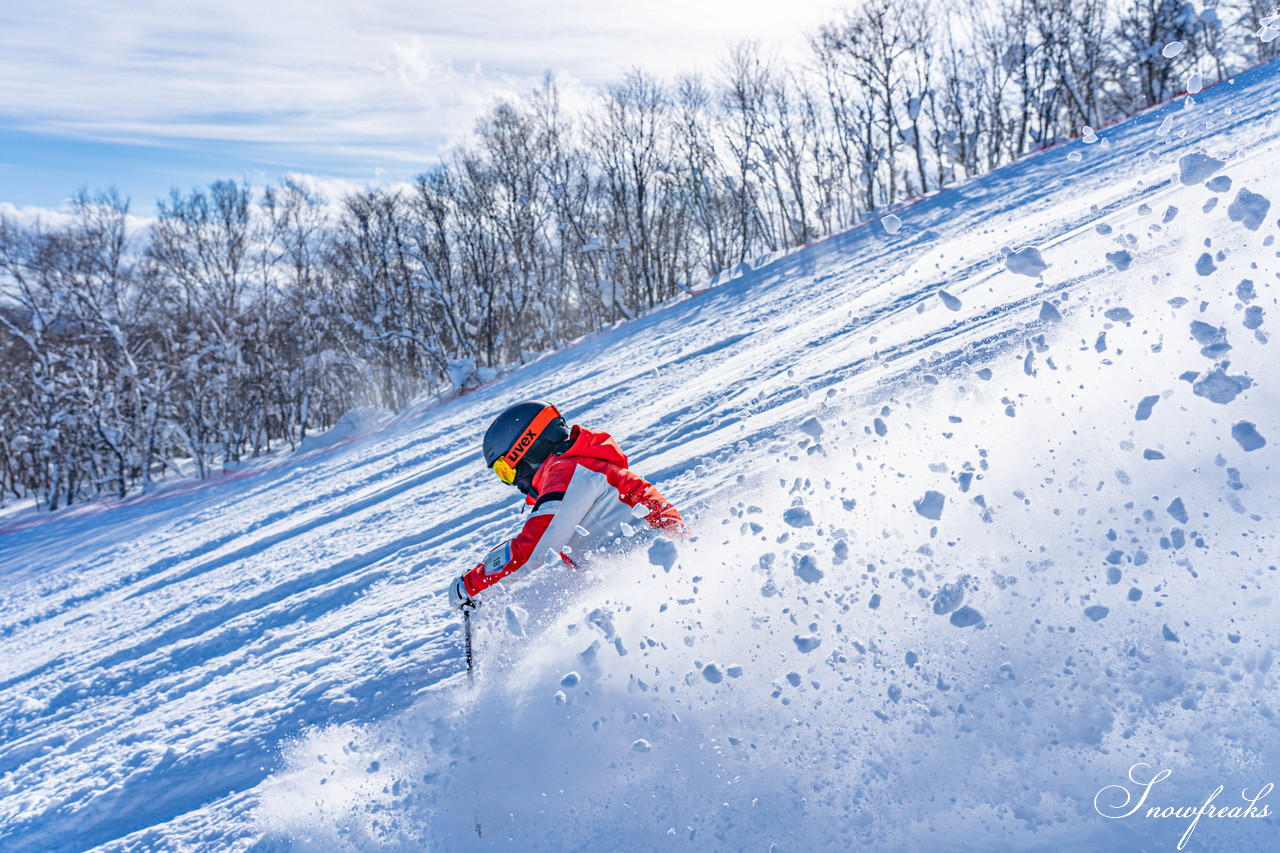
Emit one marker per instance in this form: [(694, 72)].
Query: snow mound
[(358, 421)]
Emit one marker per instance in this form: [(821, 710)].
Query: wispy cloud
[(340, 87), (230, 71)]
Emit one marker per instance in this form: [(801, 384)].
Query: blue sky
[(149, 94)]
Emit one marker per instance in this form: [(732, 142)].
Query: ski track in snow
[(968, 595)]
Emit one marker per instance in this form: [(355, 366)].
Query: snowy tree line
[(236, 321)]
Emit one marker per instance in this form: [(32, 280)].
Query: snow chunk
[(1026, 261), (1247, 436), (516, 617), (1212, 339), (1145, 405), (807, 643), (1194, 83), (1249, 209), (640, 511), (570, 679), (1177, 510), (1097, 612), (806, 568), (798, 516), (891, 223), (711, 672), (1120, 259), (965, 616), (1206, 334), (930, 506), (1205, 264), (1168, 634), (1218, 387), (1165, 126), (1220, 184), (1172, 49), (950, 301), (602, 619), (1118, 315), (948, 598), (1049, 313), (812, 427), (663, 553), (1195, 168), (641, 745)]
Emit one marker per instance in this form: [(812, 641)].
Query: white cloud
[(34, 217), (369, 93), (30, 216), (398, 77)]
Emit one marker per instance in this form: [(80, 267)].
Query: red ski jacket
[(581, 498)]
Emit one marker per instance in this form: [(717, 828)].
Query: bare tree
[(1143, 30), (747, 81), (630, 137), (870, 50), (700, 175)]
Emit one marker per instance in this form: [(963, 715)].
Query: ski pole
[(471, 681), (466, 625)]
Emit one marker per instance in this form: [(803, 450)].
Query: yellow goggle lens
[(505, 472)]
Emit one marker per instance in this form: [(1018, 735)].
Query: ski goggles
[(505, 465), (505, 472)]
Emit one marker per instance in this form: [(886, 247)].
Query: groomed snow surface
[(986, 503)]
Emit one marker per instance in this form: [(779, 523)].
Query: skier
[(579, 486)]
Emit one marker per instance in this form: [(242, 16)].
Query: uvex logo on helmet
[(517, 452)]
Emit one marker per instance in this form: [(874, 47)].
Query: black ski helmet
[(523, 436)]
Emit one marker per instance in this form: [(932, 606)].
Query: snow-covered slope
[(974, 542)]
